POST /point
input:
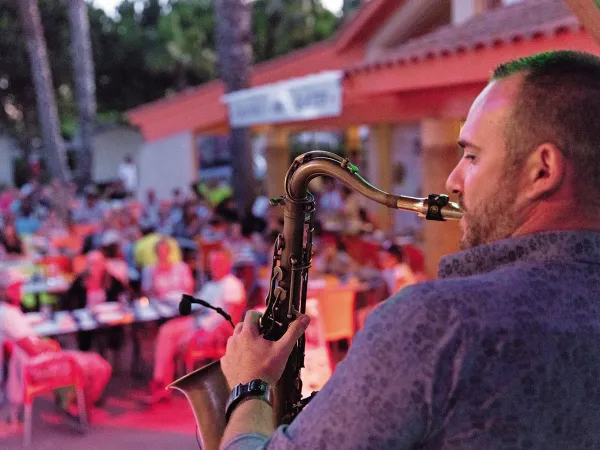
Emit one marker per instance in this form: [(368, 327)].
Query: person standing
[(128, 175)]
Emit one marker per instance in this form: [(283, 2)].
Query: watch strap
[(254, 389)]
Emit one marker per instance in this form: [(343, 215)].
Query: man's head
[(163, 250), (96, 263), (220, 264), (529, 146)]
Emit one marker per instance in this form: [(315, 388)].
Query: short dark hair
[(558, 102)]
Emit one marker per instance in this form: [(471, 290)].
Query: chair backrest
[(71, 243), (336, 307), (84, 229), (331, 281), (62, 262), (50, 371)]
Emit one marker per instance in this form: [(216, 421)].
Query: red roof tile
[(504, 25)]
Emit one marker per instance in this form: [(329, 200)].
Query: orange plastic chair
[(331, 281), (84, 229), (336, 307), (72, 244), (64, 372)]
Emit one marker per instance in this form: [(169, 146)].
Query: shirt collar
[(549, 245)]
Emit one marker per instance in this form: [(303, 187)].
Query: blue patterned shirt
[(501, 352)]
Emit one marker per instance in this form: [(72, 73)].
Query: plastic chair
[(63, 371), (317, 354), (211, 351), (331, 281), (72, 244), (336, 308), (83, 230), (200, 350), (62, 262)]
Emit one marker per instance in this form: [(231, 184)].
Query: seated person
[(94, 286), (394, 271), (240, 246), (224, 291), (30, 348), (331, 258), (144, 252), (10, 241), (166, 279), (115, 262)]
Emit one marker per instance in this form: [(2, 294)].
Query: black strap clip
[(435, 203)]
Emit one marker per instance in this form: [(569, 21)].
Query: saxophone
[(206, 389)]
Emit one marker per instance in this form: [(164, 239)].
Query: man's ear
[(544, 172)]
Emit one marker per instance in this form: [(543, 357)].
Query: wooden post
[(440, 156)]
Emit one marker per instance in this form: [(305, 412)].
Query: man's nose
[(454, 182)]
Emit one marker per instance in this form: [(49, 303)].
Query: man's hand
[(250, 356)]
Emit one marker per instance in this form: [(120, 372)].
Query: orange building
[(407, 69)]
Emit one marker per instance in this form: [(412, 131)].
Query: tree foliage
[(139, 55)]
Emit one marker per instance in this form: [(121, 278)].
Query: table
[(54, 285), (114, 314), (137, 313)]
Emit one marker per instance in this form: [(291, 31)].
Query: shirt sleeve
[(381, 395), (15, 326)]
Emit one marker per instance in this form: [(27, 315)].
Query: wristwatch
[(256, 389)]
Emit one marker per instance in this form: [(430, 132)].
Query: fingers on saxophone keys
[(251, 322), (238, 328)]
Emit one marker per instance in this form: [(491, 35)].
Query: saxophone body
[(206, 388)]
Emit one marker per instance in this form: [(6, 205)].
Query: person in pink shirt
[(166, 279)]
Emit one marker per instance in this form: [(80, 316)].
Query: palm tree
[(54, 146), (85, 87), (234, 49)]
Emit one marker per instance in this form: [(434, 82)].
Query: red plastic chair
[(62, 262), (46, 373), (200, 350)]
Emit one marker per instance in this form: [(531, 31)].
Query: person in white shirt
[(128, 175), (224, 291), (394, 271), (30, 349)]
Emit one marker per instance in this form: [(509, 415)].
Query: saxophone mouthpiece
[(435, 207)]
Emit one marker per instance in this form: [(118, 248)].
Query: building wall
[(110, 148), (166, 164)]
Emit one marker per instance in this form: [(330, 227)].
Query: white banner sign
[(305, 98)]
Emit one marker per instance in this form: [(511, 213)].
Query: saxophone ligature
[(206, 389)]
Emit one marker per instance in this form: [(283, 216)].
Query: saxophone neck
[(313, 164)]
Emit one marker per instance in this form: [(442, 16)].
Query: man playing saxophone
[(503, 350)]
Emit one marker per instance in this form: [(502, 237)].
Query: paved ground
[(122, 423)]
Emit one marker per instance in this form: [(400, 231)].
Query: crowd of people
[(152, 247)]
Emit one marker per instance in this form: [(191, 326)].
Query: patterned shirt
[(501, 352)]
